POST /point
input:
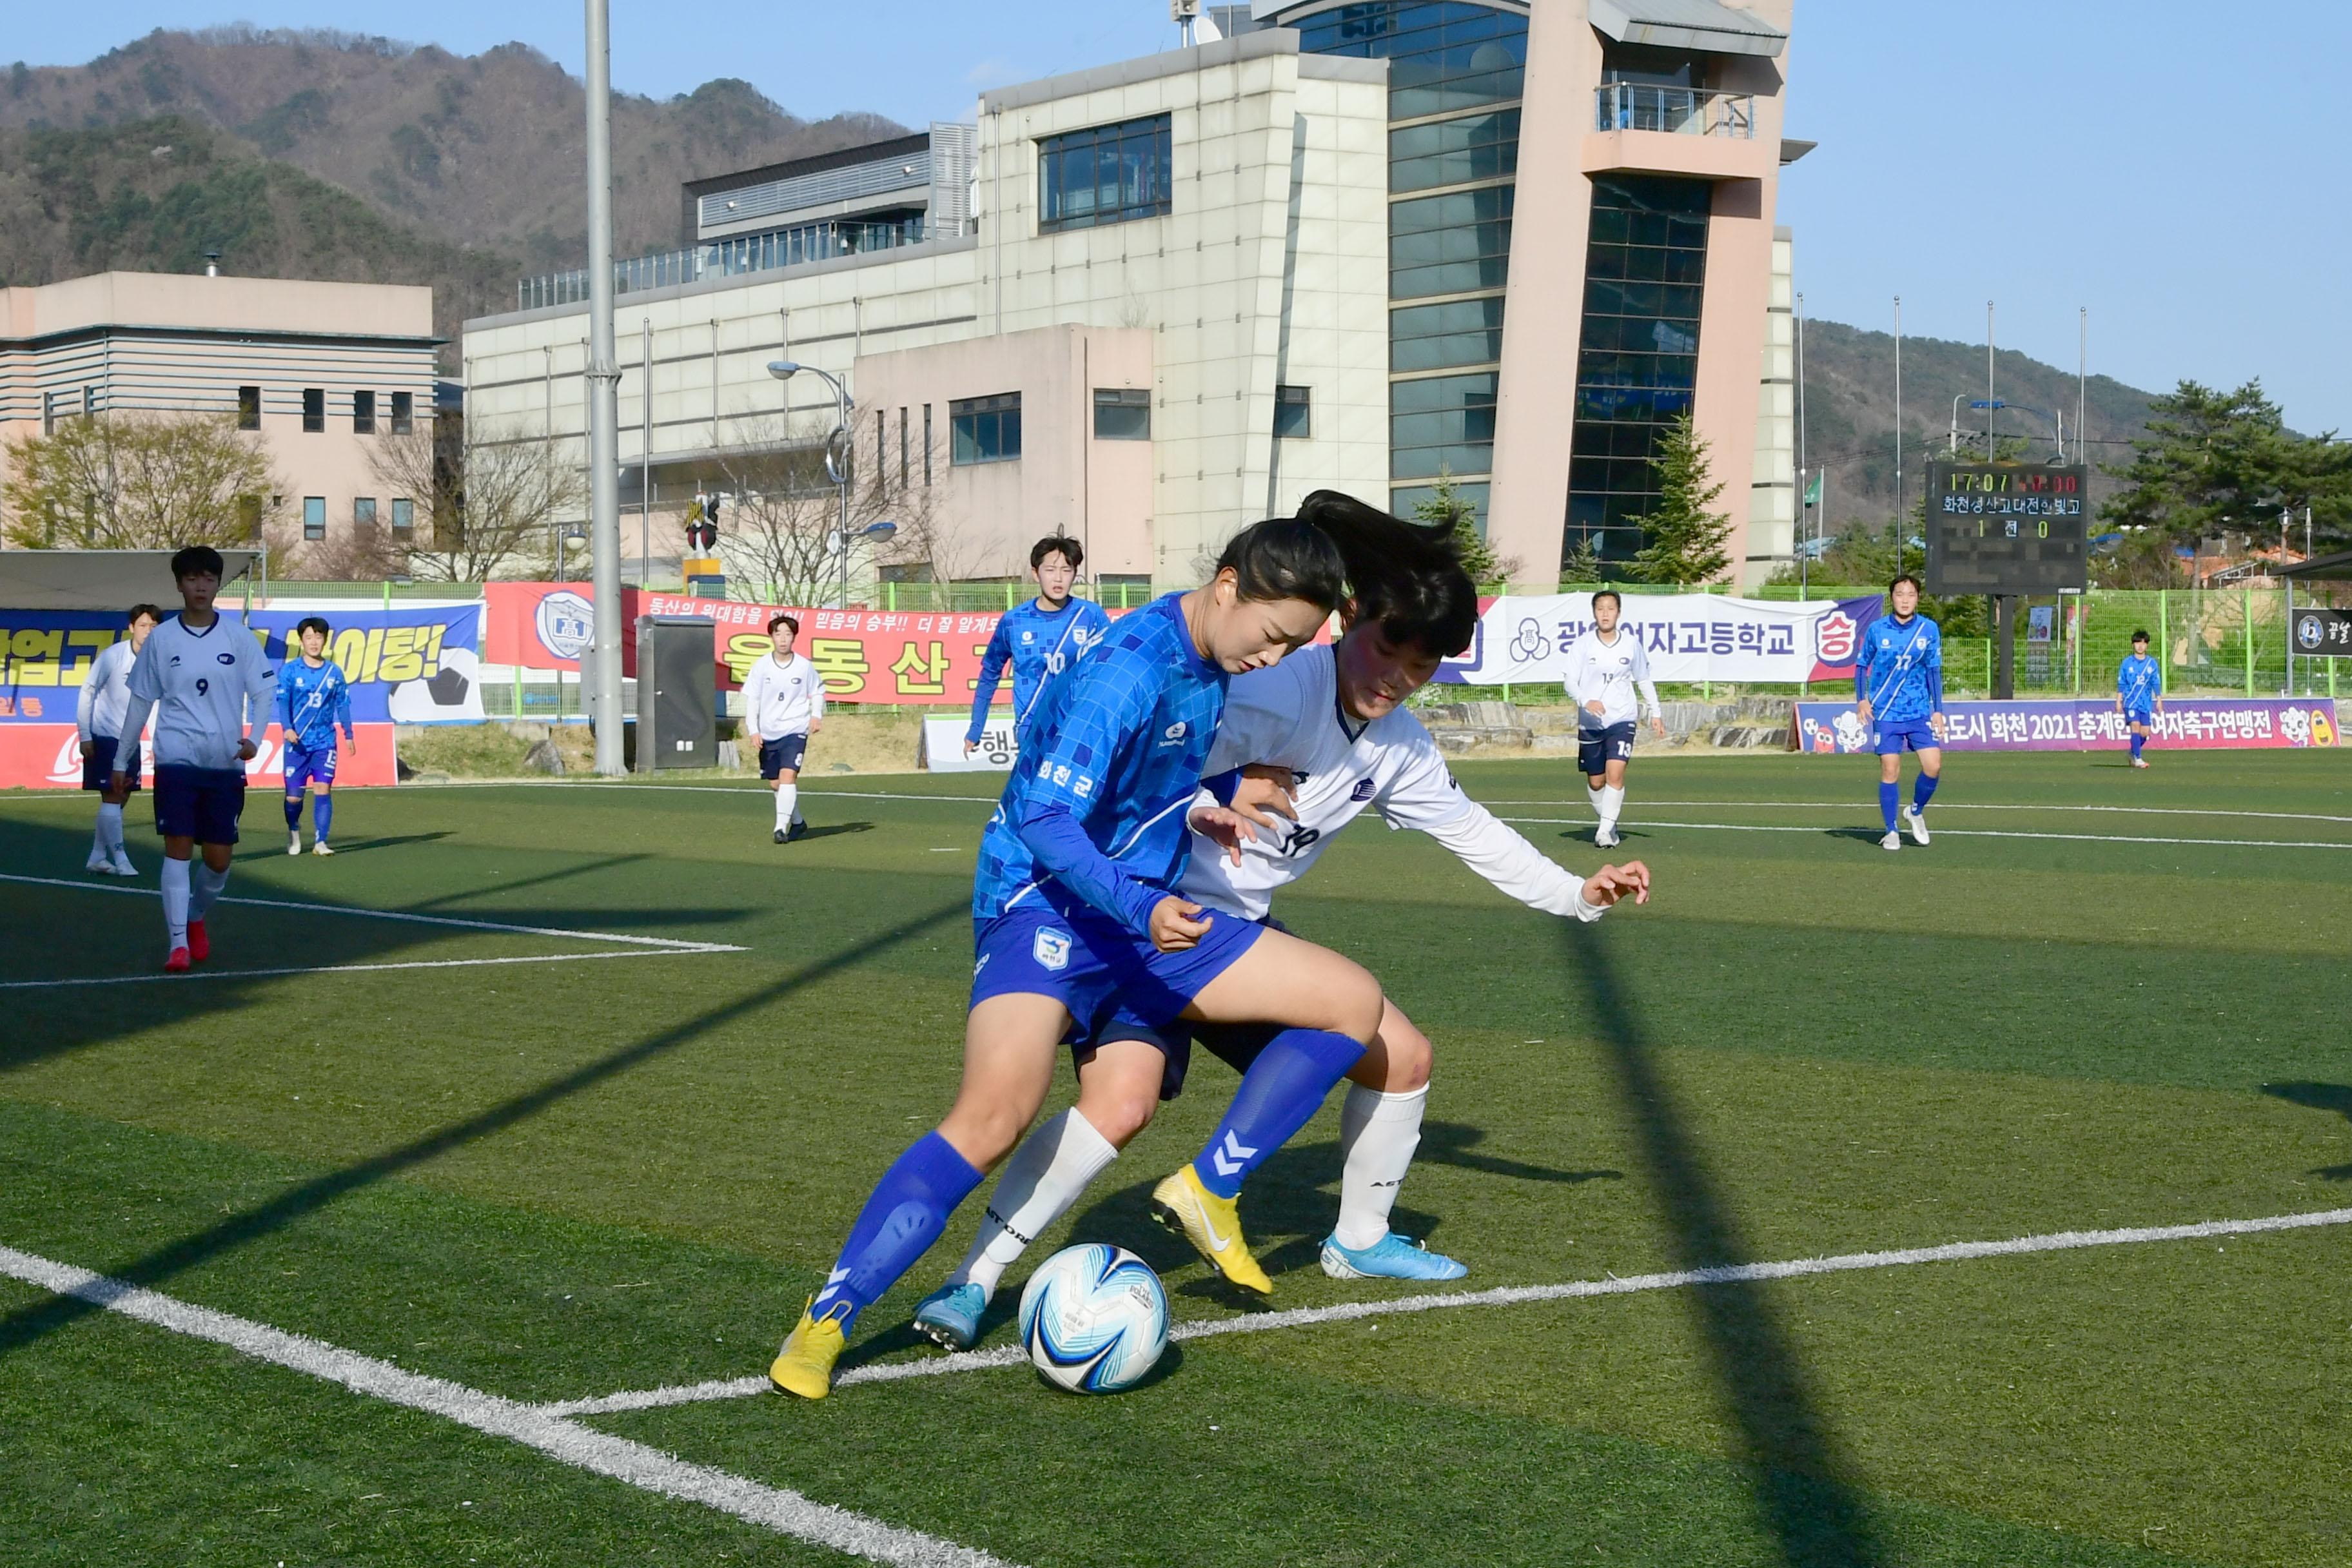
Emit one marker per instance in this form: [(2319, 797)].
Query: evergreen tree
[(2212, 460), (1582, 564), (1447, 505), (1686, 541)]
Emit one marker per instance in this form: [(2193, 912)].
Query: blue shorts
[(1908, 735), (1596, 749), (2140, 716), (784, 751), (309, 767), (1236, 1045), (202, 804), (1115, 984), (100, 761)]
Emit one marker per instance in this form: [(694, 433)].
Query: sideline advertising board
[(1525, 638), (2187, 723), (48, 756), (943, 745)]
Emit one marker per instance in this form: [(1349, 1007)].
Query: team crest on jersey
[(1363, 790), (1051, 949), (1173, 734), (226, 658), (1028, 636)]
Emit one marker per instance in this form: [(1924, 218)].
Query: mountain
[(1849, 384)]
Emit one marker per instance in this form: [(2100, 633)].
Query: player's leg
[(109, 817), (220, 801), (297, 771), (1380, 1127), (176, 822), (788, 802), (105, 832), (1612, 783), (1593, 762), (322, 813), (2140, 733), (1923, 790), (1890, 782)]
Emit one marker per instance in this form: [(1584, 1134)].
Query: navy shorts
[(309, 767), (100, 761), (784, 751), (1106, 976), (202, 804), (1236, 1045), (1910, 735), (1596, 749)]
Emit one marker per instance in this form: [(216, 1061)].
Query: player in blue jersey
[(1898, 678), (314, 701), (1076, 920), (1042, 639), (2139, 695)]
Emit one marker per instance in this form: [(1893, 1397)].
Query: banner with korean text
[(48, 756), (1525, 639), (2187, 723)]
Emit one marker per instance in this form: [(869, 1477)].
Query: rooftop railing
[(730, 257), (1682, 111)]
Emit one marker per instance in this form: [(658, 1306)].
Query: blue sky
[(2178, 173)]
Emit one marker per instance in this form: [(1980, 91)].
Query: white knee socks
[(1041, 1182), (1378, 1133), (787, 805), (206, 886), (1607, 802), (109, 839), (176, 900)]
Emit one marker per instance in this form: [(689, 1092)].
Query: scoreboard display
[(2007, 528)]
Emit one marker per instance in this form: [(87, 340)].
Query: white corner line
[(777, 1509), (161, 979), (1506, 1296)]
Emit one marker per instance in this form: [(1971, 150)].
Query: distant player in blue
[(1042, 640), (2139, 695), (1077, 923), (314, 701), (1898, 678)]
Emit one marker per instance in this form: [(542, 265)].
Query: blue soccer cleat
[(1392, 1257), (949, 1316)]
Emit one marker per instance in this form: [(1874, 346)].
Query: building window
[(1292, 413), (403, 413), (49, 413), (881, 453), (314, 410), (986, 429), (1122, 414), (1455, 244), (1444, 55), (362, 413), (1454, 151), (1108, 173), (88, 400), (363, 514), (903, 456), (248, 408), (1438, 337), (1402, 498), (1442, 425), (403, 518), (927, 444), (314, 517), (1637, 367)]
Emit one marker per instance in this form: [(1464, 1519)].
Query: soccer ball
[(1094, 1319)]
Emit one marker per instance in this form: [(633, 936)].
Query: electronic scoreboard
[(2008, 528)]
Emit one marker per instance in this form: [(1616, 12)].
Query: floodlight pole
[(603, 400)]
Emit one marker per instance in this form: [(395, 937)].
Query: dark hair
[(786, 621), (1286, 558), (307, 622), (150, 611), (198, 561), (1407, 577), (1069, 550), (1601, 593), (1905, 577), (2140, 635)]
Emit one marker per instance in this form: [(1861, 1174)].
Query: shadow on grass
[(362, 845), (1813, 1512), (2334, 1097), (831, 829)]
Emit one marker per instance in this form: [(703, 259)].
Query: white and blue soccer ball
[(1094, 1319)]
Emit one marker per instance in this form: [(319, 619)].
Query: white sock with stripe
[(787, 805), (1378, 1134), (1044, 1179), (206, 886), (1613, 800), (176, 900), (109, 828)]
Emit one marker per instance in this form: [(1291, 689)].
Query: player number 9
[(204, 684)]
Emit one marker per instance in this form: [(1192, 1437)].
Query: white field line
[(159, 978), (1949, 833), (1508, 1296), (675, 945), (776, 1508)]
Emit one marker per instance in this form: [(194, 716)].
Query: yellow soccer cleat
[(804, 1366), (1213, 1224)]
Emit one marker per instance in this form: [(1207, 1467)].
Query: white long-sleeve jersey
[(204, 688), (785, 698), (1609, 673), (105, 692), (1289, 716)]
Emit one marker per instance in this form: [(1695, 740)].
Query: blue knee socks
[(2139, 741), (322, 812), (908, 1209), (1888, 795), (294, 814), (1923, 790), (1279, 1094)]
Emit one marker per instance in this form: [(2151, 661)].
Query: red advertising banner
[(48, 756)]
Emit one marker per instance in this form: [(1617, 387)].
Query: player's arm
[(816, 698), (343, 715), (145, 687), (262, 698), (1933, 676), (2155, 682), (1070, 773), (1259, 731), (1862, 674), (1647, 687), (1421, 794), (86, 700), (991, 670)]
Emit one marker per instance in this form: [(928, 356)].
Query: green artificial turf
[(550, 1181)]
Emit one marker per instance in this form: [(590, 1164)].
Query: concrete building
[(1362, 244), (320, 371)]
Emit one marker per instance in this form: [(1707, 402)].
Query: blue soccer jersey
[(2139, 681), (312, 704), (1900, 670), (1095, 813), (1041, 646)]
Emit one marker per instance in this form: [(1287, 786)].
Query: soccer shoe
[(176, 962), (200, 946), (97, 863), (1893, 840), (949, 1316), (781, 836), (1213, 1224), (1392, 1257), (1917, 821), (121, 865), (798, 830), (804, 1366), (320, 848), (1605, 838), (294, 842), (2139, 761)]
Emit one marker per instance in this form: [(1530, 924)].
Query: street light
[(841, 541), (837, 452)]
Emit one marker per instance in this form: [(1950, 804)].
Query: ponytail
[(1406, 577)]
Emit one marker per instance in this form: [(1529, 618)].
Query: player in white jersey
[(1606, 665), (1327, 727), (783, 704), (98, 715), (211, 688)]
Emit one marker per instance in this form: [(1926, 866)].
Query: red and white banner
[(48, 756)]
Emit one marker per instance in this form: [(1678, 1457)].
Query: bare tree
[(488, 499), (141, 481), (781, 522)]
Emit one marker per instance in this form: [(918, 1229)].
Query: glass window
[(248, 408), (986, 429), (314, 517), (1454, 244), (1444, 54), (1292, 413), (1434, 337), (403, 518), (1107, 173), (1122, 414), (1402, 498), (926, 443), (314, 410), (403, 413), (1442, 424), (1454, 151), (362, 413), (364, 512)]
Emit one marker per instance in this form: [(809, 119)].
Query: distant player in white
[(1605, 667), (211, 688), (1329, 724), (98, 715), (783, 704)]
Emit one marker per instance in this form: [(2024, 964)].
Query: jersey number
[(1300, 838), (203, 685)]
